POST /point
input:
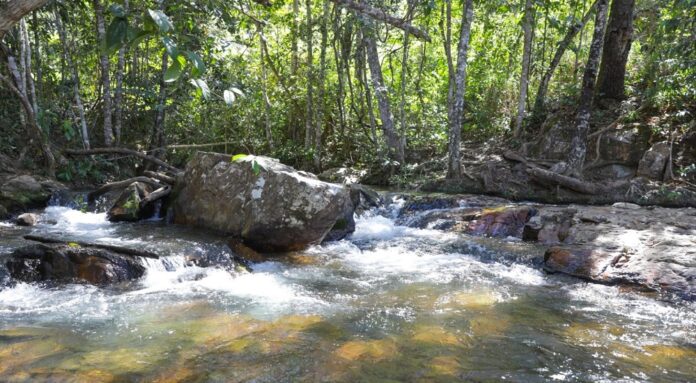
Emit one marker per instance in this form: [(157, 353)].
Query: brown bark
[(456, 109), (617, 45), (378, 14), (578, 146), (13, 11)]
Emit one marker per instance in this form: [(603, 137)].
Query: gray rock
[(27, 219), (626, 205), (652, 165), (22, 192), (270, 206), (128, 205)]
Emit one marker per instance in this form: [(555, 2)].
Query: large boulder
[(68, 263), (22, 192), (270, 206)]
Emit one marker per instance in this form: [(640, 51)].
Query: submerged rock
[(72, 263), (27, 219), (270, 206), (128, 205)]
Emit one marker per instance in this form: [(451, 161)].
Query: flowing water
[(391, 303)]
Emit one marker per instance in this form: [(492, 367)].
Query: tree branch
[(154, 160), (381, 15), (14, 10)]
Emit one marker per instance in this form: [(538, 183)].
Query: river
[(390, 303)]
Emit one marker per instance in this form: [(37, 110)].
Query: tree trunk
[(309, 111), (447, 45), (31, 88), (158, 138), (617, 45), (540, 101), (118, 94), (366, 10), (456, 109), (13, 11), (105, 79), (34, 128), (294, 66), (394, 143), (322, 87), (528, 27), (67, 55), (264, 89), (578, 146)]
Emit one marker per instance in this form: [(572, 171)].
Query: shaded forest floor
[(635, 155)]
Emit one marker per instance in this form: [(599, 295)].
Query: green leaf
[(116, 34), (198, 66), (136, 36), (171, 47), (173, 72), (202, 87), (236, 90), (238, 157), (117, 10), (229, 97), (161, 20)]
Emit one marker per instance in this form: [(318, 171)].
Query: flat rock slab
[(650, 247), (69, 263)]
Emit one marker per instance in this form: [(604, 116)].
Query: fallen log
[(130, 152), (120, 185), (155, 195), (160, 177), (114, 248), (555, 178)]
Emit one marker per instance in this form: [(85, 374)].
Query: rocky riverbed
[(651, 248)]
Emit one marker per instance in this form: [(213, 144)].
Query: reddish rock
[(501, 222)]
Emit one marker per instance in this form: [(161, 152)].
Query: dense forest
[(347, 191), (319, 85)]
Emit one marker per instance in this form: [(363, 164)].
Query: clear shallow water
[(391, 303)]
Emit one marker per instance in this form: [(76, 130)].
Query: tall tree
[(321, 99), (617, 45), (75, 78), (456, 108), (578, 146), (118, 93), (528, 27), (394, 143), (563, 45), (105, 77), (309, 114)]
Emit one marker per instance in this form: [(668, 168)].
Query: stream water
[(391, 303)]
